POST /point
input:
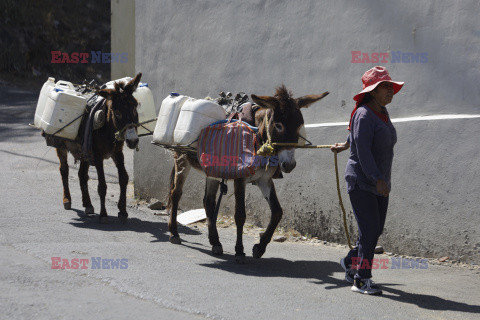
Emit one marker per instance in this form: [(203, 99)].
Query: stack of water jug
[(60, 109), (58, 105), (181, 119)]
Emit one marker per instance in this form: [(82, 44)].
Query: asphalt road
[(160, 280)]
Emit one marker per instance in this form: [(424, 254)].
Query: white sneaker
[(366, 286)]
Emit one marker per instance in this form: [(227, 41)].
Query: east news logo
[(394, 56), (89, 57), (396, 263), (94, 263)]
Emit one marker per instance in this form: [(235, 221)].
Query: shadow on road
[(54, 162), (17, 109), (320, 272), (29, 156), (158, 229), (429, 302)]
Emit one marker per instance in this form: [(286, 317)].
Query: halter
[(120, 134), (268, 148)]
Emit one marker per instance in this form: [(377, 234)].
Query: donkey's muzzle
[(131, 138), (132, 144), (287, 167)]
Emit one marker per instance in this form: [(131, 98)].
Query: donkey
[(285, 122), (120, 125)]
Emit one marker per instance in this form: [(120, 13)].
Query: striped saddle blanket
[(227, 149)]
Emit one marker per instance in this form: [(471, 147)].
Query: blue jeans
[(370, 211)]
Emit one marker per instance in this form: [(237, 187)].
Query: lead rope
[(341, 202), (344, 214)]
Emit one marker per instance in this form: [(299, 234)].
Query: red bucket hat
[(372, 78)]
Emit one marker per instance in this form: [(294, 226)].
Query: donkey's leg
[(268, 191), (209, 203), (83, 177), (182, 168), (63, 157), (239, 187), (119, 160), (102, 188)]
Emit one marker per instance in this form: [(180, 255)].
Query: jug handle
[(63, 83)]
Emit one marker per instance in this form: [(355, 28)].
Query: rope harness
[(267, 149)]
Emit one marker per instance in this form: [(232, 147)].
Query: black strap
[(223, 190), (68, 124)]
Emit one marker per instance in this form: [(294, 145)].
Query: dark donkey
[(122, 117), (285, 121)]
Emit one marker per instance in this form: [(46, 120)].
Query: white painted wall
[(200, 48), (123, 36)]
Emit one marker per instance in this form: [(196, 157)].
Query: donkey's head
[(122, 110), (285, 121)]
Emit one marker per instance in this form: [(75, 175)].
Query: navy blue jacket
[(371, 151)]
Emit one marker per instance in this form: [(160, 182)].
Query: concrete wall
[(200, 48), (123, 36)]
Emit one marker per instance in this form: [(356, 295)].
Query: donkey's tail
[(172, 185)]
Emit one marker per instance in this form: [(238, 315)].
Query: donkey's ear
[(306, 101), (106, 93), (265, 101), (133, 84), (118, 88)]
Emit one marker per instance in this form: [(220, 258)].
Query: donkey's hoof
[(103, 219), (67, 205), (240, 258), (257, 251), (89, 210), (122, 216), (175, 240), (217, 250)]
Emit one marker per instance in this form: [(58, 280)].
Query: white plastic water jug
[(146, 109), (64, 85), (42, 99), (110, 84), (195, 115), (167, 118), (63, 109)]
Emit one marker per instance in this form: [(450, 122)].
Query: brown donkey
[(121, 118), (285, 121)]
